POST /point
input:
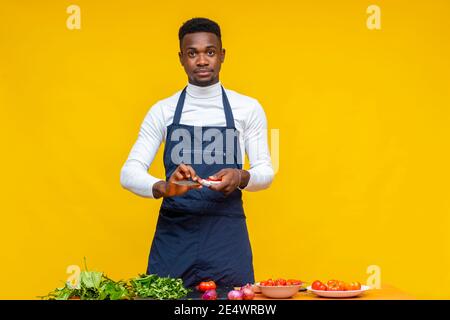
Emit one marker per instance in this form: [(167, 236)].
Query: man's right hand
[(169, 188)]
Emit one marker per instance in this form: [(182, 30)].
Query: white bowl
[(279, 292), (339, 294), (256, 288)]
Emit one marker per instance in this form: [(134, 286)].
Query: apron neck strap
[(226, 107)]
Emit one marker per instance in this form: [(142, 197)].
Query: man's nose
[(202, 60)]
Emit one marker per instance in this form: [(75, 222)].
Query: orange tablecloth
[(387, 292)]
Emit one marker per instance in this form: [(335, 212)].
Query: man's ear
[(223, 55), (180, 56)]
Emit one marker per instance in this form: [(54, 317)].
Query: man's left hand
[(231, 179)]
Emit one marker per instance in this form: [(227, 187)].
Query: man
[(201, 232)]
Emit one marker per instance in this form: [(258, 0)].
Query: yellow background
[(364, 136)]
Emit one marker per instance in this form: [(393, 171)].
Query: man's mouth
[(203, 72)]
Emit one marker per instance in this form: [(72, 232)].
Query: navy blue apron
[(202, 235)]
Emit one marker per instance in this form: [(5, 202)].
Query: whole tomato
[(206, 285), (203, 286), (318, 285), (342, 285), (353, 286), (335, 285), (212, 285)]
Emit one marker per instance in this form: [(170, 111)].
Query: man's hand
[(231, 179), (170, 189)]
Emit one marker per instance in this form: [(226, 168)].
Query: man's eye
[(191, 54), (211, 52)]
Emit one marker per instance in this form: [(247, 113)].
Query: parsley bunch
[(152, 286)]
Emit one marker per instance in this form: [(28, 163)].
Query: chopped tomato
[(295, 282), (280, 282)]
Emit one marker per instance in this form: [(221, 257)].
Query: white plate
[(339, 294)]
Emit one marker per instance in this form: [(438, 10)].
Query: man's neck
[(204, 92)]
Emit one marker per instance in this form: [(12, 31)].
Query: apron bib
[(202, 235)]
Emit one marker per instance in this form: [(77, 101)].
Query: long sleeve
[(203, 107), (257, 149), (134, 174)]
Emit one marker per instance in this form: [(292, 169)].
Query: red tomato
[(317, 285), (203, 286), (212, 285), (280, 282), (295, 282), (353, 286), (206, 285), (335, 285)]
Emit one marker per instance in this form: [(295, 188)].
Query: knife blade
[(187, 183)]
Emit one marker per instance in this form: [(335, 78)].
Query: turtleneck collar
[(198, 92)]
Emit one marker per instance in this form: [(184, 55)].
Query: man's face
[(202, 56)]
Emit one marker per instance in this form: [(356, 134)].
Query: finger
[(192, 172), (220, 186), (219, 174), (215, 187), (178, 175), (184, 170)]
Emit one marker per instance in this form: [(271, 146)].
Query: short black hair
[(199, 25)]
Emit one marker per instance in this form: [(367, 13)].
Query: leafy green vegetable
[(61, 294), (91, 279), (152, 286), (114, 290), (94, 285)]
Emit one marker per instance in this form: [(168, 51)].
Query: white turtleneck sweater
[(203, 106)]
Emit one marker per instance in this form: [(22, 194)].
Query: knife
[(187, 183)]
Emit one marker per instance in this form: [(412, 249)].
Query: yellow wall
[(364, 135)]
